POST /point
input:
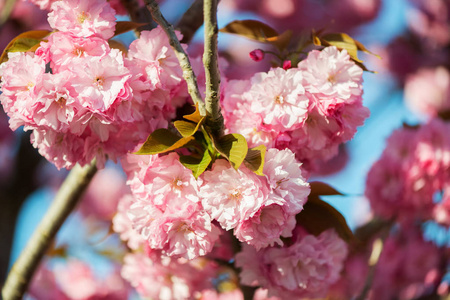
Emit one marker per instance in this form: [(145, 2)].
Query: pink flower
[(166, 278), (231, 196), (63, 47), (331, 73), (279, 97), (83, 18), (155, 60), (428, 91), (305, 269), (19, 76), (101, 82), (404, 265), (257, 55)]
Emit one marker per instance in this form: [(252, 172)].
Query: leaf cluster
[(203, 147)]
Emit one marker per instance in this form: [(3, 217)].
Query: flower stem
[(188, 73), (212, 74), (65, 201)]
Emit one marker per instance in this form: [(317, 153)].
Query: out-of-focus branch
[(377, 248), (6, 11), (191, 21), (212, 74), (13, 193), (65, 201), (188, 73)]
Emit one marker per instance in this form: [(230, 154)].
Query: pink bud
[(287, 64), (257, 55)]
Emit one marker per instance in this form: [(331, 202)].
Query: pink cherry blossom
[(428, 91), (279, 97), (166, 278), (123, 226), (230, 195), (19, 76), (304, 269), (83, 18)]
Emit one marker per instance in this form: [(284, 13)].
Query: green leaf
[(254, 160), (161, 141), (124, 26), (233, 147), (187, 128), (198, 166), (252, 29), (318, 216), (342, 41), (27, 41), (259, 31), (195, 116)]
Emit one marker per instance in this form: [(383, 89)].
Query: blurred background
[(411, 36)]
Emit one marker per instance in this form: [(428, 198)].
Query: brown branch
[(188, 73), (212, 74), (65, 201), (191, 21)]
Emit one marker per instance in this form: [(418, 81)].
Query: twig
[(65, 201), (191, 21), (212, 74), (188, 73), (377, 248)]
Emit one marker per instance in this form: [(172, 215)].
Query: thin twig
[(65, 201), (377, 248), (212, 74), (188, 73), (191, 21)]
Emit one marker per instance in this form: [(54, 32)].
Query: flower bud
[(257, 54)]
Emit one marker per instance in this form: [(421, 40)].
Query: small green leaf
[(318, 216), (124, 26), (163, 140), (195, 116), (252, 29), (198, 166), (342, 41), (259, 31), (27, 41), (254, 160), (187, 128), (233, 147)]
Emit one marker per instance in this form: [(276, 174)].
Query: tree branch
[(212, 74), (65, 201), (188, 73), (191, 21)]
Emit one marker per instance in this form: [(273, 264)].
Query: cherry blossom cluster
[(160, 277), (411, 180), (84, 99), (174, 212), (409, 267), (75, 280), (310, 109), (428, 91), (304, 269)]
